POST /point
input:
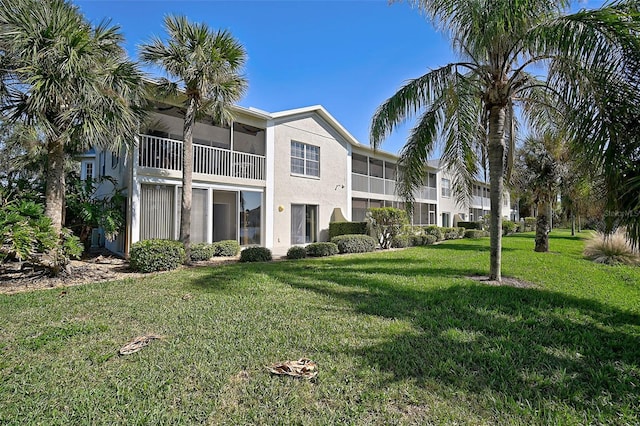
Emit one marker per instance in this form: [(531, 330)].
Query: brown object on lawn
[(303, 367), (137, 343)]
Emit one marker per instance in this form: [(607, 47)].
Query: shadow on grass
[(532, 346)]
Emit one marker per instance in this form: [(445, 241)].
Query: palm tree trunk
[(542, 227), (497, 115), (187, 177), (573, 225), (55, 185)]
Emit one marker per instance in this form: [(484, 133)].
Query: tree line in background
[(66, 85)]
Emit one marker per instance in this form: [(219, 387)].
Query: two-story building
[(270, 179)]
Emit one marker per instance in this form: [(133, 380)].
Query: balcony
[(166, 154), (478, 201), (376, 185)]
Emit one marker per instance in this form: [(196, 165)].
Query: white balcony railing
[(478, 201), (166, 154), (375, 185)]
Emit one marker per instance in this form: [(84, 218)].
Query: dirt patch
[(97, 267), (506, 281)]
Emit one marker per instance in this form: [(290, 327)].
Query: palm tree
[(541, 164), (68, 80), (207, 65), (473, 104)]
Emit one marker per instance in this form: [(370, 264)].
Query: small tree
[(387, 223), (86, 210)]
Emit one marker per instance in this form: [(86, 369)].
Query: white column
[(269, 192), (348, 213), (134, 196), (209, 208)]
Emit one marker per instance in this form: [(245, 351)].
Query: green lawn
[(400, 338)]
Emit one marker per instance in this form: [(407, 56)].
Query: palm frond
[(409, 101)]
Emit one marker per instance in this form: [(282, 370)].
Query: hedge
[(255, 254), (226, 248), (296, 252), (435, 231), (347, 228), (202, 251), (400, 241), (321, 249), (354, 243), (475, 233), (509, 227), (156, 255), (422, 240), (470, 225)]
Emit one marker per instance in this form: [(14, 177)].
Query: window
[(305, 159), (87, 171), (359, 164), (304, 224), (446, 188)]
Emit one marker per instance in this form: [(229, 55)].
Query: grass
[(400, 337)]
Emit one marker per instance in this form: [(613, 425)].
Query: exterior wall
[(328, 191)]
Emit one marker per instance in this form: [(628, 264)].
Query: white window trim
[(446, 190), (304, 175), (83, 169)]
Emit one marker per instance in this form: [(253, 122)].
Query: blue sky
[(347, 55)]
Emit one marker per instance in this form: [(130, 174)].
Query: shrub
[(612, 249), (386, 223), (450, 233), (475, 233), (529, 223), (156, 255), (354, 243), (321, 249), (400, 241), (202, 251), (255, 254), (296, 252), (226, 248), (435, 231), (509, 227), (422, 240), (347, 228), (27, 235), (461, 231), (469, 225)]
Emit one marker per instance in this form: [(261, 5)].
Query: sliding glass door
[(304, 223)]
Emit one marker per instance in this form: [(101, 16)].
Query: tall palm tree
[(70, 81), (473, 104), (208, 66)]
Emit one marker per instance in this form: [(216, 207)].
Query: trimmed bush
[(509, 227), (255, 254), (354, 243), (400, 241), (435, 231), (470, 225), (612, 249), (156, 255), (321, 249), (461, 231), (529, 223), (226, 248), (347, 228), (422, 240), (296, 252), (450, 233), (386, 223), (427, 240), (475, 233), (202, 251)]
